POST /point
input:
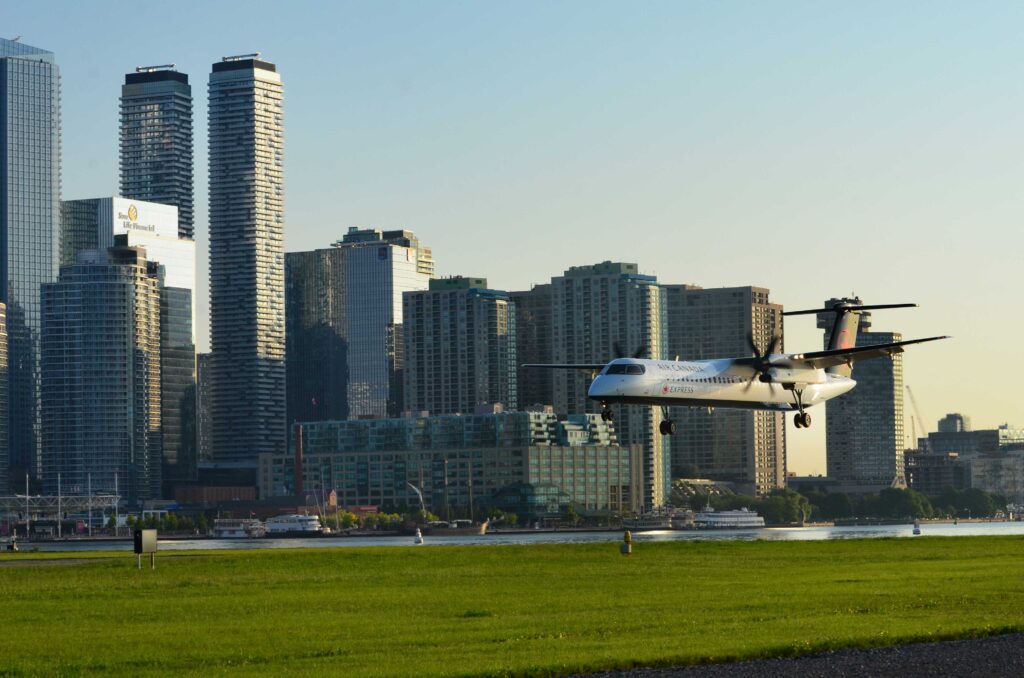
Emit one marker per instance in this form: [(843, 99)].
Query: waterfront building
[(29, 213), (344, 310), (4, 487), (101, 376), (932, 472), (1000, 473), (96, 224), (974, 443), (460, 347), (526, 462), (533, 344), (595, 309), (156, 140), (247, 324), (745, 447), (864, 429)]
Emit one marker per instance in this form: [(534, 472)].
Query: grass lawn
[(474, 610)]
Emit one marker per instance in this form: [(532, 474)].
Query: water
[(770, 534)]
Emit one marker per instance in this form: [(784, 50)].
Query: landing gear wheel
[(667, 427), (802, 420)]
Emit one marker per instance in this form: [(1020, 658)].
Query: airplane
[(766, 381)]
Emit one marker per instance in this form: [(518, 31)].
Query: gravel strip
[(992, 656)]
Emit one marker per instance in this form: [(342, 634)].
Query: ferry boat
[(710, 519), (294, 525), (648, 521), (682, 520), (238, 528)]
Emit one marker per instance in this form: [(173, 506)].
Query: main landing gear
[(606, 414), (802, 419), (667, 427)]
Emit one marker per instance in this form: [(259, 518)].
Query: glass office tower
[(29, 214), (344, 304), (247, 323), (156, 140), (3, 398)]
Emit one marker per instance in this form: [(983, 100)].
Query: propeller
[(639, 353), (761, 364)]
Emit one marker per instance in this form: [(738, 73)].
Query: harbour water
[(566, 537)]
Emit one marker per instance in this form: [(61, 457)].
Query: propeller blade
[(775, 346), (617, 347), (640, 352), (752, 346)]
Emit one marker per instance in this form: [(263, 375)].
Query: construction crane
[(920, 419)]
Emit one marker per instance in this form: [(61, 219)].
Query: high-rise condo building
[(99, 223), (3, 398), (747, 447), (29, 213), (596, 309), (533, 345), (460, 347), (101, 375), (156, 140), (864, 435), (247, 323), (345, 346)]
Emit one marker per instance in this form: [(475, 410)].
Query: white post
[(58, 508), (90, 503), (117, 518), (28, 511)]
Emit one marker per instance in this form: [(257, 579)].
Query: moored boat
[(710, 519), (648, 521), (457, 528), (238, 528), (294, 525)]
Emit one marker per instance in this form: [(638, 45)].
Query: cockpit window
[(625, 369)]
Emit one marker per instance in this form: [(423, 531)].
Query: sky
[(817, 149)]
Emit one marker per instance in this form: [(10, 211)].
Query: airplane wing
[(843, 356), (576, 366)]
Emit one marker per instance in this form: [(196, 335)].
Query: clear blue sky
[(813, 148)]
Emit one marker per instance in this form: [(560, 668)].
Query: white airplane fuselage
[(712, 383)]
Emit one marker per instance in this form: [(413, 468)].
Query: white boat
[(238, 528), (710, 519), (294, 525)]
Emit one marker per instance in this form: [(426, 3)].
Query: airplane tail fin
[(844, 327)]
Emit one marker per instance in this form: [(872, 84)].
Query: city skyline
[(580, 128)]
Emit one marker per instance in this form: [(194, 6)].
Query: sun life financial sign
[(145, 217)]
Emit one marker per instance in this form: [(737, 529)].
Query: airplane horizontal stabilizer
[(842, 308), (846, 356)]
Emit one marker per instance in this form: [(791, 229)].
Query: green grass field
[(509, 610)]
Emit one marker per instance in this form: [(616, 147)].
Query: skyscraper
[(345, 346), (3, 398), (460, 347), (96, 224), (29, 213), (596, 310), (203, 423), (156, 140), (247, 323), (864, 436), (533, 344), (101, 375), (743, 446)]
